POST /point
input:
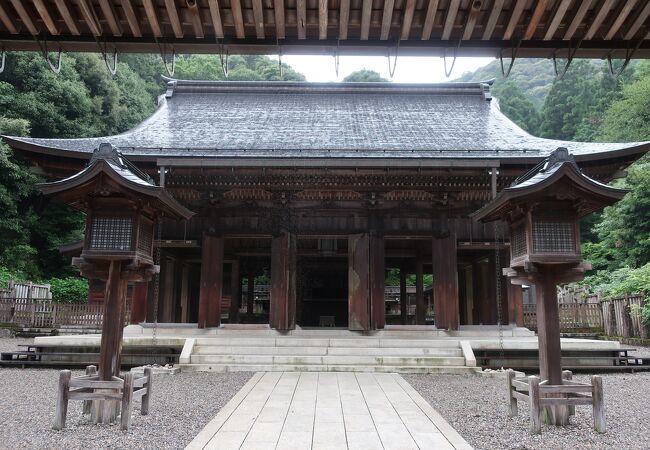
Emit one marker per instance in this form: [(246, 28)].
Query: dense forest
[(586, 104)]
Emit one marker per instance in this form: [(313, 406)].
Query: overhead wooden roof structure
[(526, 28)]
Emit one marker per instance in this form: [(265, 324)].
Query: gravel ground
[(475, 406), (181, 406)]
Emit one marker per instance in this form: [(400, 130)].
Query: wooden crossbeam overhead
[(539, 28), (46, 17)]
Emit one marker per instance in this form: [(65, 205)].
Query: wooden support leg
[(535, 422), (90, 370), (211, 281), (403, 297), (512, 400), (146, 398), (127, 401), (568, 375), (62, 400), (599, 404), (515, 304), (139, 303)]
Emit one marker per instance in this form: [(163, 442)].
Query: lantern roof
[(110, 172), (556, 177)]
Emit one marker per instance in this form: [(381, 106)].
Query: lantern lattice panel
[(553, 236), (518, 244), (145, 240), (111, 233)]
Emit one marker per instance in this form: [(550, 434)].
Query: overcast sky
[(407, 70)]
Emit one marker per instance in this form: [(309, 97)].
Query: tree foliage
[(364, 76)]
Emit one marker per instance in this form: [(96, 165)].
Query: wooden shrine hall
[(306, 194)]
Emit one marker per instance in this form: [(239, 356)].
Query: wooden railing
[(573, 316), (39, 313)]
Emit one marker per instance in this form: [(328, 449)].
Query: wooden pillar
[(250, 295), (282, 315), (377, 281), (420, 305), (550, 353), (489, 307), (211, 281), (476, 293), (403, 296), (515, 304), (185, 293), (139, 303), (445, 282), (366, 308), (235, 292)]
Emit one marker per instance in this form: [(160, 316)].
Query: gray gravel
[(181, 406), (475, 406)]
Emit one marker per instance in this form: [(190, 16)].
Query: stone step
[(326, 368), (328, 360), (361, 342), (310, 351)]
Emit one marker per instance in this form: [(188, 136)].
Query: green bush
[(69, 290)]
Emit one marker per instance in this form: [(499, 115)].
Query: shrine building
[(305, 194)]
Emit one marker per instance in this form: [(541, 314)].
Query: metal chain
[(156, 284), (498, 288)]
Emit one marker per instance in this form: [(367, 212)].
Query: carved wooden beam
[(366, 12), (46, 16), (344, 17), (408, 19), (387, 19), (111, 17), (429, 19), (493, 19), (131, 18), (25, 17)]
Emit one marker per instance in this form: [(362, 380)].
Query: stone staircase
[(320, 352)]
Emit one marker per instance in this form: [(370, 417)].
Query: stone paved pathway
[(327, 410)]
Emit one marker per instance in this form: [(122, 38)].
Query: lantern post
[(543, 209), (121, 205)]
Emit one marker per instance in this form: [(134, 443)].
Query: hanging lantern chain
[(498, 238), (156, 283)]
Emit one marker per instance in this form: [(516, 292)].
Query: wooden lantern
[(543, 209), (121, 205)]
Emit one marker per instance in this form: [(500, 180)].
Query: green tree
[(364, 76), (628, 119), (519, 108)]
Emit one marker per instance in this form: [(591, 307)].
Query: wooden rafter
[(535, 19), (301, 14), (90, 17), (474, 12), (195, 18), (46, 16), (238, 18), (6, 21), (408, 19), (258, 17), (577, 18), (429, 19), (25, 17), (558, 15), (278, 8), (599, 19), (366, 12), (344, 18), (640, 20), (387, 19), (131, 18), (152, 17), (493, 19), (174, 18), (322, 19), (108, 10), (517, 11), (624, 11), (450, 20)]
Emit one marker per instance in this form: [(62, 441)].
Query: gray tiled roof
[(305, 120)]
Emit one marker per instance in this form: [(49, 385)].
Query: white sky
[(408, 69)]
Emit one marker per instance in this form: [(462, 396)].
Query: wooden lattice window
[(111, 233), (518, 244), (553, 236), (145, 239)]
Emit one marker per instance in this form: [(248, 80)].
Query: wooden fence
[(573, 316), (622, 317), (40, 313)]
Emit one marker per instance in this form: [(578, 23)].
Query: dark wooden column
[(113, 323), (445, 282), (515, 304), (403, 296), (250, 294), (366, 308), (282, 314), (139, 303), (420, 304), (211, 281), (235, 292), (377, 281)]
